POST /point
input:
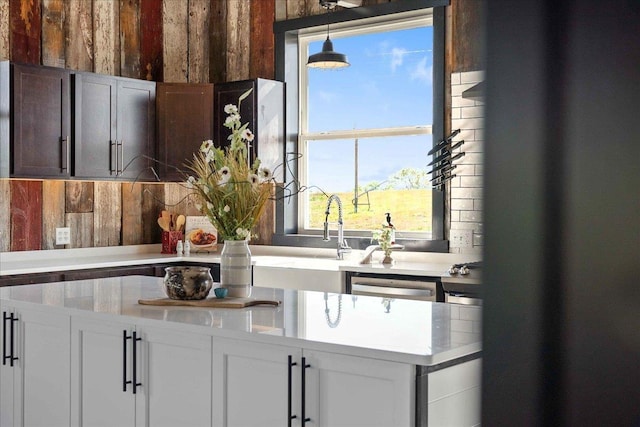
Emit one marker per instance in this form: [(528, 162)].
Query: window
[(365, 130)]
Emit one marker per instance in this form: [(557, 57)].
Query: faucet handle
[(344, 244)]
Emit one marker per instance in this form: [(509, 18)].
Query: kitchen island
[(86, 353)]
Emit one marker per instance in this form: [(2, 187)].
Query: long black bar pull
[(134, 343), (289, 391), (5, 355), (304, 367), (12, 319), (125, 337)]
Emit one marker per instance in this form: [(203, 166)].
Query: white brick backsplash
[(471, 313), (471, 181), (459, 101), (466, 188), (472, 112), (461, 325), (462, 204), (473, 146), (472, 76), (458, 89), (470, 216), (466, 193), (475, 123), (454, 312)]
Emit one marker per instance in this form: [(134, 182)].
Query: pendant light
[(327, 58)]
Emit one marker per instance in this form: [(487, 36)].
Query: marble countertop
[(416, 332), (406, 263)]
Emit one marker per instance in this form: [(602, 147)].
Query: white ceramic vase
[(235, 268)]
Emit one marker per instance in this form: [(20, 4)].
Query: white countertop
[(407, 263), (416, 332)]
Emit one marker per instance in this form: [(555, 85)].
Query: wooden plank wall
[(162, 40)]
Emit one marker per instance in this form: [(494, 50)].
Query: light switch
[(63, 236)]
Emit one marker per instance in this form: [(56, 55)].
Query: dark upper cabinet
[(263, 109), (185, 119), (114, 127), (41, 121)]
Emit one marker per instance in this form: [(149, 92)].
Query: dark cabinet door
[(95, 146), (114, 127), (136, 124), (263, 109), (185, 119), (41, 113)]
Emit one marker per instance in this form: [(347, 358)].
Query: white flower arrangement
[(233, 192)]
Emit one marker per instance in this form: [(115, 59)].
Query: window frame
[(310, 35), (287, 54)]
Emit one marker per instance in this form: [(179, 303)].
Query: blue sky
[(389, 83)]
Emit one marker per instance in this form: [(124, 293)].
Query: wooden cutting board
[(210, 302)]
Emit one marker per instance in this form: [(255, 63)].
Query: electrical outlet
[(63, 236), (461, 238)]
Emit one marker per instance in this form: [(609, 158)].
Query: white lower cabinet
[(128, 375), (34, 375), (268, 385)]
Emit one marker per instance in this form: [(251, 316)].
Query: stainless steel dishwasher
[(394, 286)]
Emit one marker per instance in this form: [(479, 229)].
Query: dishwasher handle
[(425, 294)]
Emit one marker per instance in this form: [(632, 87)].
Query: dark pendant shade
[(327, 58)]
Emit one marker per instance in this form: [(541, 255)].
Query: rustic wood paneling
[(53, 205), (106, 37), (107, 213), (199, 22), (79, 30), (53, 33), (152, 205), (295, 9), (178, 199), (5, 210), (26, 215), (25, 31), (175, 51), (467, 35), (81, 227), (218, 42), (280, 10), (79, 196), (4, 29), (131, 213), (130, 39), (238, 39), (266, 225), (262, 43), (151, 40)]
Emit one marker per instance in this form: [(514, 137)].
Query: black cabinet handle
[(304, 367), (12, 358), (5, 355), (64, 152), (289, 391), (125, 337), (135, 361), (113, 157)]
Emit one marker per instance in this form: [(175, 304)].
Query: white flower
[(206, 146), (265, 173), (230, 109), (247, 135), (210, 156), (191, 182), (253, 178), (243, 233), (226, 208), (198, 206), (209, 206)]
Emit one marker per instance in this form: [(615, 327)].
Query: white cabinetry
[(163, 378), (34, 375), (325, 389)]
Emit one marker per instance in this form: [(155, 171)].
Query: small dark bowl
[(221, 292), (187, 283)]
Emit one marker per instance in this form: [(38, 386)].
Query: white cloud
[(397, 57), (422, 72)]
